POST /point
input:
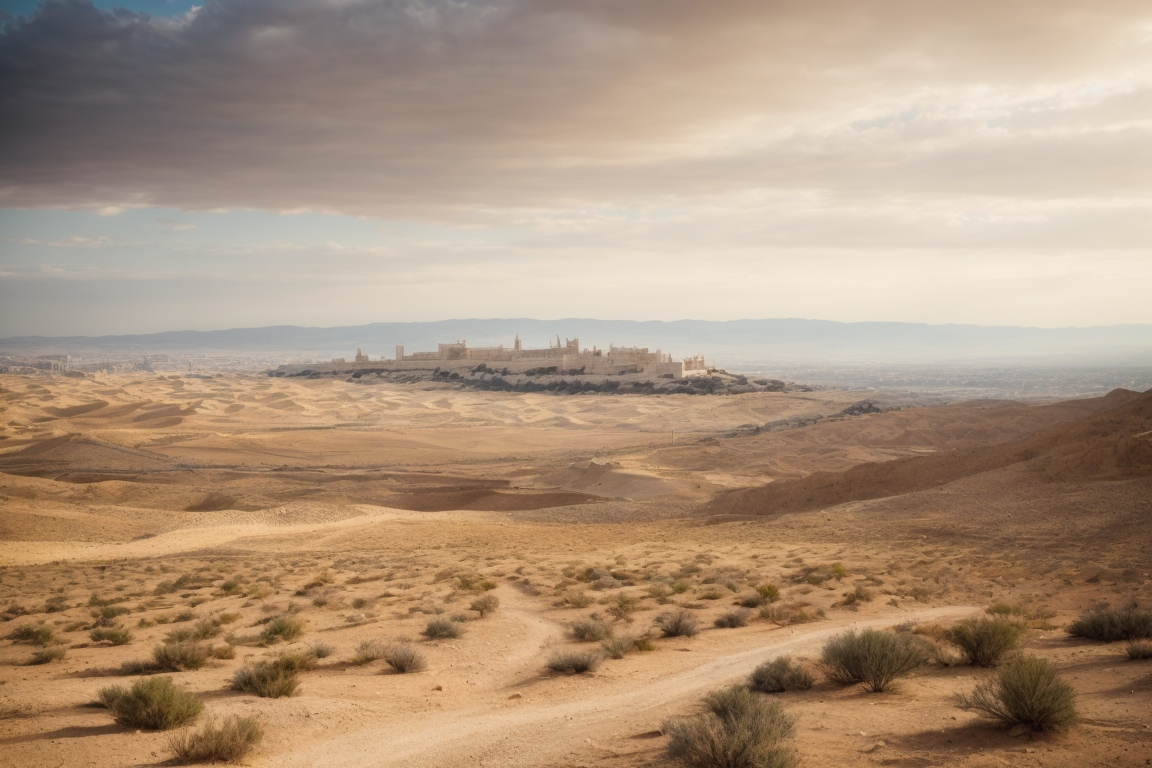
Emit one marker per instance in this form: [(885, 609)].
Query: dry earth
[(365, 512)]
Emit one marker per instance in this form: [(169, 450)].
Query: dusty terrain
[(366, 511)]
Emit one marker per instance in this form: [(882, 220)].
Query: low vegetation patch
[(46, 656), (574, 662), (1138, 650), (681, 623), (113, 635), (590, 630), (738, 729), (282, 628), (732, 619), (1026, 691), (175, 657), (403, 659), (441, 629), (30, 635), (154, 703), (871, 657), (985, 641), (1113, 624), (779, 675), (267, 679), (367, 652), (228, 742), (485, 605)]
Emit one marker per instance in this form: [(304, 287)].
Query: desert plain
[(154, 504)]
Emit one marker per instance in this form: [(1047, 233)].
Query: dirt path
[(570, 714)]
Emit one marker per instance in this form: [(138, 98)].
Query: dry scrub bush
[(619, 647), (485, 605), (574, 662), (174, 657), (30, 635), (985, 641), (267, 679), (738, 730), (224, 652), (591, 629), (404, 659), (154, 703), (201, 630), (575, 599), (679, 623), (732, 619), (228, 742), (779, 675), (439, 629), (1025, 691), (322, 650), (46, 656), (870, 657), (367, 652), (282, 628), (1110, 625), (783, 615), (1138, 650), (113, 635)]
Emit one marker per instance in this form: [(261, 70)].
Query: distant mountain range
[(739, 343)]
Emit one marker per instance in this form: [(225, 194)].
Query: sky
[(170, 165)]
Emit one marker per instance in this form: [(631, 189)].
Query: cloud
[(456, 110)]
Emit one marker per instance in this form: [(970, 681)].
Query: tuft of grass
[(870, 657), (42, 636), (266, 679), (1112, 624), (174, 657), (732, 619), (590, 630), (203, 629), (485, 605), (439, 629), (779, 675), (985, 641), (681, 623), (738, 729), (323, 650), (367, 652), (1138, 650), (282, 628), (154, 703), (113, 635), (574, 662), (228, 742), (46, 656), (403, 659), (1025, 691)]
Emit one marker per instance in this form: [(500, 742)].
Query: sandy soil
[(366, 512)]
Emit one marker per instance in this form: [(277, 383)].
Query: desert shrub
[(679, 623), (622, 606), (174, 657), (738, 730), (227, 742), (732, 619), (183, 616), (367, 652), (282, 628), (770, 592), (113, 635), (296, 661), (643, 643), (152, 702), (267, 679), (224, 652), (46, 656), (870, 657), (1138, 650), (780, 674), (575, 599), (985, 641), (859, 595), (1027, 691), (618, 647), (322, 650), (227, 618), (30, 635), (439, 629), (591, 629), (485, 605), (712, 593), (574, 662), (1112, 624), (404, 658)]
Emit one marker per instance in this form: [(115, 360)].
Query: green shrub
[(870, 657), (1027, 691), (152, 702), (769, 592), (1138, 650), (1111, 624), (282, 628), (985, 641), (267, 679), (485, 605), (438, 629), (403, 658), (779, 675), (681, 623), (590, 630), (30, 635), (46, 656), (574, 662), (174, 657), (732, 619), (113, 635), (227, 742), (738, 730)]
